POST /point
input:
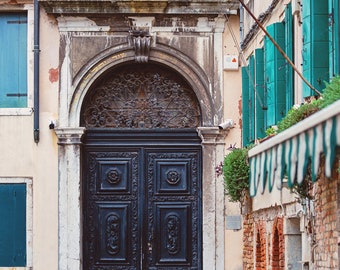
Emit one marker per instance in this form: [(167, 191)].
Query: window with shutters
[(315, 53), (334, 34), (289, 42), (260, 99), (245, 106), (15, 222), (13, 60), (16, 52), (253, 101), (268, 85), (275, 75)]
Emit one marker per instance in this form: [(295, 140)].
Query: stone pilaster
[(70, 242), (213, 141)]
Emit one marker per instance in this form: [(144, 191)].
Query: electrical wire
[(244, 62)]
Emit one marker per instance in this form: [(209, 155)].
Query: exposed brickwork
[(277, 256), (255, 229), (326, 234), (248, 247), (324, 228), (261, 259)]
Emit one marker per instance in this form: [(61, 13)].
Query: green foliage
[(331, 93), (236, 173), (303, 190), (271, 131), (296, 114)]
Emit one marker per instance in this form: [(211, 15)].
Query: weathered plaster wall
[(21, 157), (232, 94), (45, 160)]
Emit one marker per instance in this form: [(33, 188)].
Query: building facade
[(113, 117), (293, 219)]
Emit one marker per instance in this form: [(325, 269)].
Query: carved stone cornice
[(69, 135), (139, 7)]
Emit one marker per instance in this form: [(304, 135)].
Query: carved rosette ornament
[(134, 97), (173, 177), (113, 177)]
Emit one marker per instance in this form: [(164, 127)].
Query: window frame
[(29, 9)]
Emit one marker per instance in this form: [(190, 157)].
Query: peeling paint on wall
[(54, 74)]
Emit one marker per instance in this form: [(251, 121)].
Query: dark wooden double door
[(142, 203)]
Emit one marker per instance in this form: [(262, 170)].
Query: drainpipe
[(36, 71), (241, 23)]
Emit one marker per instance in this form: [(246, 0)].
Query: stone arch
[(170, 57)]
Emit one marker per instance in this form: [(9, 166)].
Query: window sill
[(15, 112), (16, 268)]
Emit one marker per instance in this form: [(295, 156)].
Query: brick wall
[(277, 257), (262, 246), (325, 223), (264, 241)]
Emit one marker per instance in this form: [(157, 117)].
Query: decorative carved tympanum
[(141, 96)]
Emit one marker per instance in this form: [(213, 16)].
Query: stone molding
[(135, 7), (69, 135)]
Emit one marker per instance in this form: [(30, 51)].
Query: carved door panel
[(142, 208), (173, 207)]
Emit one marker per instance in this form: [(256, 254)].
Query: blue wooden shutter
[(289, 39), (245, 106), (12, 225), (260, 106), (251, 102), (13, 60), (334, 33), (315, 51), (275, 75)]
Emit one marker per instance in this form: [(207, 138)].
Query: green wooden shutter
[(334, 33), (275, 75), (245, 106), (260, 106), (289, 39), (315, 51), (12, 225), (13, 60), (251, 102)]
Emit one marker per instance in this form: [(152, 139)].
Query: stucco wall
[(21, 157), (232, 92)]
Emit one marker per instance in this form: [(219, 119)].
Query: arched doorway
[(142, 175)]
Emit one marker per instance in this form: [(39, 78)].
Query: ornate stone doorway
[(71, 132)]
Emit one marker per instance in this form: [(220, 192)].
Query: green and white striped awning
[(287, 154)]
